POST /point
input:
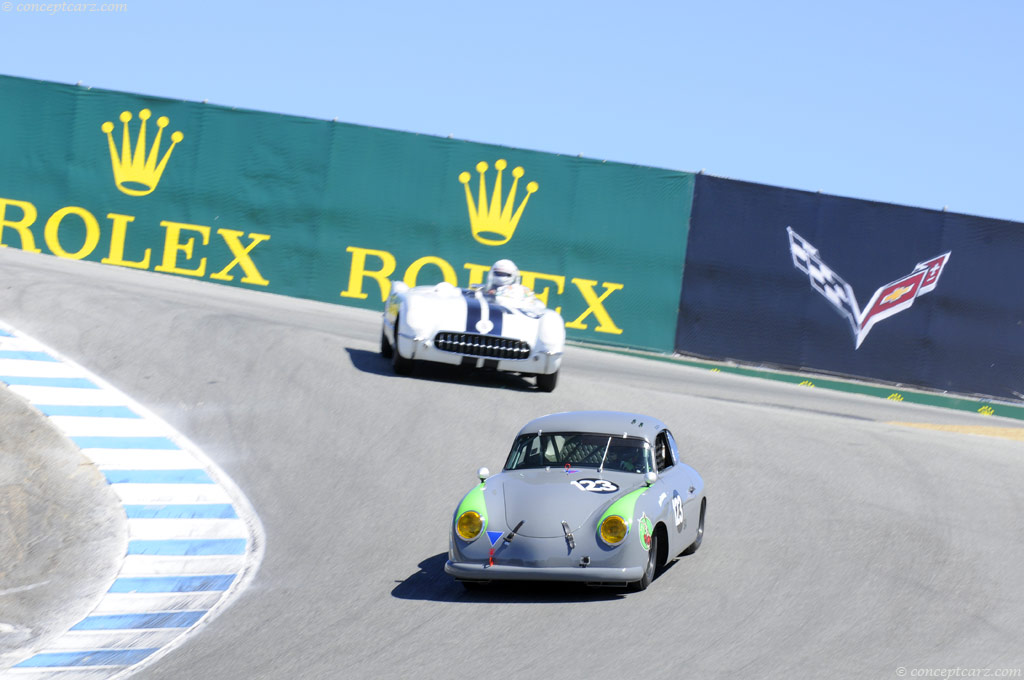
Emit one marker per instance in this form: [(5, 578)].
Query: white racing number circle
[(677, 511), (595, 485)]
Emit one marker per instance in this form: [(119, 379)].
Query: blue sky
[(912, 102)]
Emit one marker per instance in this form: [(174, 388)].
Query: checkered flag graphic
[(823, 279)]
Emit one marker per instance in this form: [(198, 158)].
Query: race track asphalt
[(838, 544)]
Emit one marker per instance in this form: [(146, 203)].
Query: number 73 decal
[(892, 298)]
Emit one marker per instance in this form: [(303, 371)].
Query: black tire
[(385, 347), (651, 569), (546, 382), (700, 530), (400, 364), (474, 586)]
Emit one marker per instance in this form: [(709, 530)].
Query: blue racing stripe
[(98, 657), (89, 411), (25, 356), (80, 383), (5, 334), (162, 443), (188, 546), (157, 477), (172, 584), (472, 310), (139, 621), (475, 309), (182, 511)]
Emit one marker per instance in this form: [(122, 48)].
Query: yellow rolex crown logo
[(137, 173), (492, 223)]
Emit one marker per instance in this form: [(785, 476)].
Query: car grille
[(471, 344)]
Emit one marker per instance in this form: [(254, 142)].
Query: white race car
[(504, 331)]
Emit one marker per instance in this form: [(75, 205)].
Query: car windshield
[(579, 450)]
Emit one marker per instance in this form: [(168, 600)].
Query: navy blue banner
[(800, 280)]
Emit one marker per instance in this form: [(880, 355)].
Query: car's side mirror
[(483, 473), (650, 478)]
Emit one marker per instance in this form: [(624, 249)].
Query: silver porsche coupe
[(600, 497)]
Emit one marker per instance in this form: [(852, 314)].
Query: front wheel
[(651, 568), (546, 381), (385, 346), (400, 364)]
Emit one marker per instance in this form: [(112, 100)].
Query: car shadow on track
[(369, 362), (373, 362), (432, 584)]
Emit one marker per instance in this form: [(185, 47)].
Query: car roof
[(598, 422)]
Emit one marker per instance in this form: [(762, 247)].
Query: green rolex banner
[(334, 212)]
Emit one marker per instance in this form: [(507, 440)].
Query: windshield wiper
[(606, 447)]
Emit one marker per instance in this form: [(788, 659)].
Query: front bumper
[(528, 558), (423, 349), (467, 571)]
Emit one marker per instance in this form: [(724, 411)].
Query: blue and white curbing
[(194, 542)]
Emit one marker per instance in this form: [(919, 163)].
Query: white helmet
[(503, 273)]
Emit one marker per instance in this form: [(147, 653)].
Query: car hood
[(446, 308), (544, 498)]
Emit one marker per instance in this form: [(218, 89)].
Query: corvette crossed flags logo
[(892, 298)]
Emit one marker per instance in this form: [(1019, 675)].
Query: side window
[(525, 453), (663, 456), (673, 449)]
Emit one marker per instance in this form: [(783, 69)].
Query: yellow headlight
[(469, 525), (613, 529)]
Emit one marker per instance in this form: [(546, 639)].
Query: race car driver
[(505, 281)]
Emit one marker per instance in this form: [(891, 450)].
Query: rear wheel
[(700, 530), (400, 364), (546, 382)]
